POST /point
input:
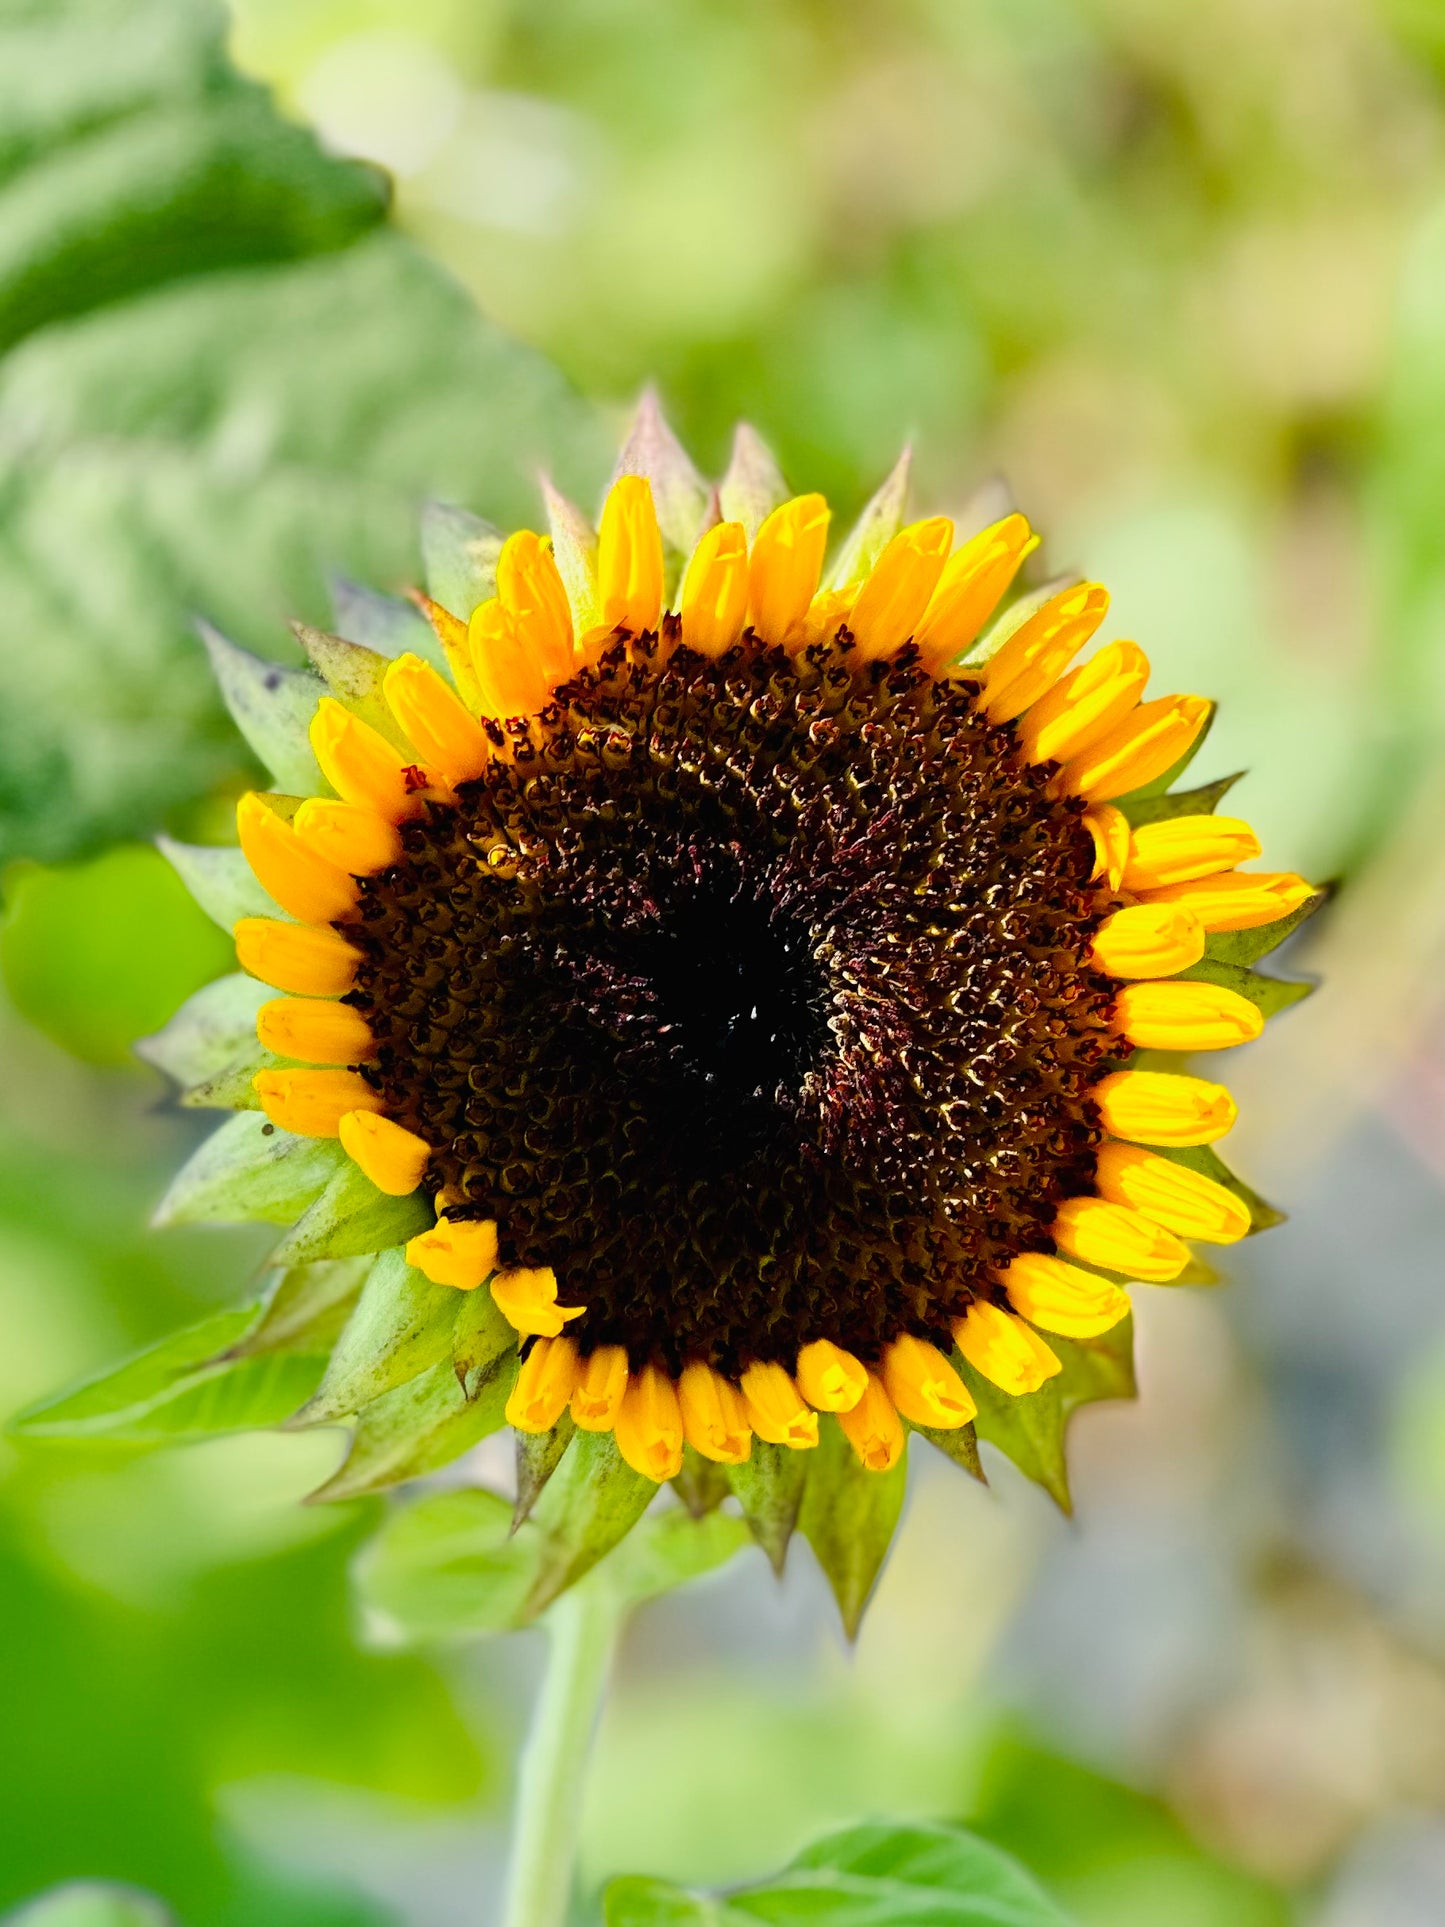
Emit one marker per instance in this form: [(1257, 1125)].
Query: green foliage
[(866, 1876), (224, 377), (848, 1516), (249, 1171), (91, 1906), (98, 954), (416, 1427), (769, 1487), (402, 1324), (352, 1217)]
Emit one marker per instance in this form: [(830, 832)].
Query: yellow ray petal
[(786, 565), (531, 592), (890, 604), (1147, 743), (715, 590), (1159, 1107), (629, 557), (302, 882), (1040, 649), (648, 1427), (601, 1383), (713, 1419), (924, 1386), (306, 958), (461, 1253), (394, 1158), (545, 1383), (1147, 940), (1085, 705), (362, 766), (1061, 1298), (970, 586), (313, 1103), (1118, 1238), (511, 679), (1185, 1016), (873, 1428), (1110, 830), (448, 738), (1004, 1350), (317, 1030), (1183, 847), (349, 835), (1185, 1202), (1236, 900), (451, 633), (775, 1407), (831, 1379), (527, 1299)]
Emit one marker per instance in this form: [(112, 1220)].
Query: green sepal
[(538, 1456), (574, 550), (353, 675), (303, 1308), (1029, 1430), (401, 1326), (481, 1337), (272, 706), (1175, 770), (192, 1384), (956, 1442), (351, 1217), (1018, 612), (848, 1516), (753, 486), (382, 622), (1207, 1161), (671, 1547), (1248, 946), (679, 493), (209, 1031), (880, 521), (769, 1488), (1095, 1368), (593, 1500), (1151, 806), (702, 1484), (1269, 995), (459, 554), (1198, 1271), (416, 1428), (250, 1171), (221, 881), (234, 1088)]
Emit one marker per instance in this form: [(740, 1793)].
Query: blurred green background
[(1178, 275)]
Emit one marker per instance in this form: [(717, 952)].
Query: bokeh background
[(1178, 275)]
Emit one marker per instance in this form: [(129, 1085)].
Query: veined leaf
[(538, 1456), (351, 1217), (402, 1325), (1269, 995), (1028, 1430), (415, 1428), (959, 1443), (304, 1308), (702, 1484), (249, 1171)]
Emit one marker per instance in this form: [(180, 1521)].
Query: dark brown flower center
[(751, 997)]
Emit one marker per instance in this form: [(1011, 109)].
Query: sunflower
[(767, 983)]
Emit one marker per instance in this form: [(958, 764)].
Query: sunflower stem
[(582, 1632)]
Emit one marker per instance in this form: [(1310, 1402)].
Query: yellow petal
[(1184, 1201), (970, 586), (511, 679), (891, 603), (313, 1103), (1118, 1238), (313, 961), (302, 882), (448, 738), (527, 1299), (1184, 1017), (362, 766), (1160, 1107), (775, 1407), (924, 1386), (829, 1378), (349, 835), (872, 1427), (1110, 830), (715, 591), (394, 1158), (544, 1384), (461, 1253), (1182, 847), (1004, 1350), (1085, 705), (1147, 940), (713, 1419), (1237, 900), (451, 632), (531, 592), (1061, 1298), (316, 1030), (1146, 744), (601, 1383), (786, 565), (1040, 649), (648, 1428), (629, 557)]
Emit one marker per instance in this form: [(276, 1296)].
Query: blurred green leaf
[(190, 1385), (866, 1876), (98, 954), (225, 377), (848, 1517), (1148, 806), (88, 1905)]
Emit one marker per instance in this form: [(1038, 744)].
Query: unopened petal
[(873, 1428), (316, 1030), (1147, 940), (1118, 1238), (786, 566), (1061, 1298), (715, 591), (527, 1299), (313, 1103), (924, 1386), (1004, 1350), (457, 1252), (831, 1379), (629, 557), (1186, 1202), (890, 604), (1185, 1016), (1183, 847), (394, 1158), (545, 1383), (303, 883), (714, 1420), (306, 958), (1161, 1107), (601, 1382)]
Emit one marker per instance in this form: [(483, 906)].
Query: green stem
[(582, 1629)]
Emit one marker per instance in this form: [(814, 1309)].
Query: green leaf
[(220, 880), (210, 1031), (702, 1484), (848, 1516), (225, 379), (447, 1567), (959, 1443), (866, 1876), (98, 954), (1248, 946), (234, 1088), (190, 1385), (1269, 995), (415, 1428), (481, 1337), (90, 1904), (304, 1308), (1028, 1430), (669, 1548), (272, 706), (1154, 806), (1095, 1368), (381, 622), (351, 1217), (460, 553), (538, 1456), (769, 1488), (250, 1171), (880, 521), (401, 1326), (753, 486)]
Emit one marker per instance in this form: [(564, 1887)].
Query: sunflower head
[(738, 998)]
